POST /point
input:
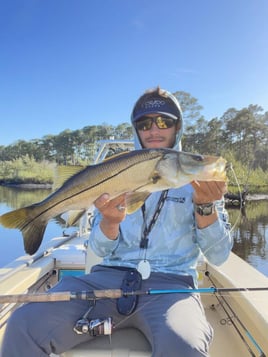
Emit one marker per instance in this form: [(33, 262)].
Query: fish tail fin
[(33, 236), (32, 230), (14, 219)]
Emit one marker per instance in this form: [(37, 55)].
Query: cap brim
[(137, 117)]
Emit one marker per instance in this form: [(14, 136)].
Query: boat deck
[(130, 342), (226, 341), (231, 338)]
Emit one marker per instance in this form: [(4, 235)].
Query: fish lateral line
[(155, 179)]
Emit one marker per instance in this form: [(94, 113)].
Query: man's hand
[(113, 212), (208, 191)]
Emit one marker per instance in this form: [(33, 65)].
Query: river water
[(250, 228)]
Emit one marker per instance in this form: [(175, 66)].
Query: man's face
[(156, 137)]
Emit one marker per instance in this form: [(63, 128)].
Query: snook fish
[(138, 173)]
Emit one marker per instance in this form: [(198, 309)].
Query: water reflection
[(11, 240), (251, 233), (16, 197), (250, 227)]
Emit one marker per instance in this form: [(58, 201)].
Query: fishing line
[(230, 166), (136, 310)]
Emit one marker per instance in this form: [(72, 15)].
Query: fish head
[(180, 168), (203, 167)]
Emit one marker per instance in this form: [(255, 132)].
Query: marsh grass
[(249, 179), (26, 170)]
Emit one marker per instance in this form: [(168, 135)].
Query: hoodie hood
[(157, 101)]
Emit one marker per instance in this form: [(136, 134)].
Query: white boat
[(239, 318)]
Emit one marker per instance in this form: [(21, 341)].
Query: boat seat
[(126, 342), (122, 343)]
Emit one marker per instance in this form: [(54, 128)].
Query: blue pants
[(174, 324)]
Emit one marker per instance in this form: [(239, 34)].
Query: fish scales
[(138, 172), (113, 176)]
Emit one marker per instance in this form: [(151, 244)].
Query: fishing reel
[(94, 327)]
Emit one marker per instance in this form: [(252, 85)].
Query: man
[(156, 247)]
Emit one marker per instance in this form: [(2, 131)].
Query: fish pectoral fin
[(135, 200), (74, 216), (32, 231)]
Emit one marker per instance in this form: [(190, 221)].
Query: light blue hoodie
[(175, 243)]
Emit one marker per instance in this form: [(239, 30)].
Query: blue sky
[(66, 64)]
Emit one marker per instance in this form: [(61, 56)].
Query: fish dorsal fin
[(118, 154), (62, 173), (134, 200)]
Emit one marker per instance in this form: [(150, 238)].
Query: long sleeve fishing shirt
[(175, 243)]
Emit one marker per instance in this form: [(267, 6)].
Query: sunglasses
[(162, 122)]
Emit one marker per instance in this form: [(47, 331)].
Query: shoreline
[(28, 185), (256, 197), (249, 196)]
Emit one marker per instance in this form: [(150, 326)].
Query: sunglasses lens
[(144, 124), (164, 122), (161, 122)]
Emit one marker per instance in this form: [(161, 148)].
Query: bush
[(26, 170), (253, 181)]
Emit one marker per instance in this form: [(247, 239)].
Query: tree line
[(68, 148), (239, 134)]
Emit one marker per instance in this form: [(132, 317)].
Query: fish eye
[(198, 158)]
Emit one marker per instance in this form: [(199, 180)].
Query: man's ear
[(178, 125)]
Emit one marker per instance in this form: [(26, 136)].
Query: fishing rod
[(113, 294)]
